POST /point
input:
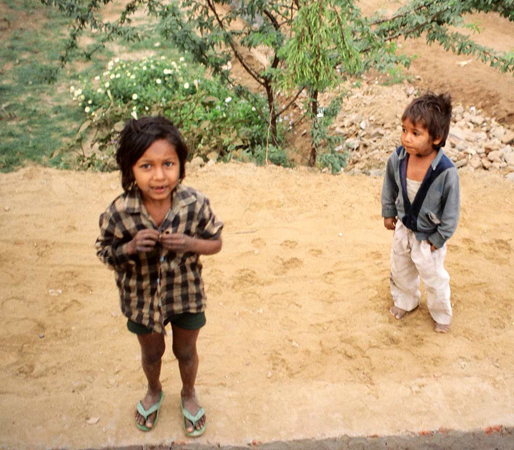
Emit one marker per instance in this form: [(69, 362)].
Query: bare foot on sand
[(397, 313), (440, 328)]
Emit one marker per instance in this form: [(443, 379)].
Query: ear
[(437, 141)]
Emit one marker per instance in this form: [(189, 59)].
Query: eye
[(404, 130), (169, 164), (145, 166)]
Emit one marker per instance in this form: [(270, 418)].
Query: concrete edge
[(495, 437)]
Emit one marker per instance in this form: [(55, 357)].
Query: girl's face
[(417, 140), (157, 172)]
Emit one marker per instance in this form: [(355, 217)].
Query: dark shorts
[(187, 321)]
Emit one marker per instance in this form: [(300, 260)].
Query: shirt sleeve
[(389, 189), (209, 226), (111, 250), (451, 211)]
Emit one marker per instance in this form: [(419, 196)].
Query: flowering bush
[(210, 116)]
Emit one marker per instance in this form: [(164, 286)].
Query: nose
[(159, 173)]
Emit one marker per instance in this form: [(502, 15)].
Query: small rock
[(212, 156), (6, 208), (41, 336), (197, 162), (494, 156), (510, 176), (477, 120), (270, 374), (486, 163), (475, 162), (92, 420), (461, 163), (508, 138)]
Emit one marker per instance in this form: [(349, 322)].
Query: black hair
[(434, 112), (137, 136)]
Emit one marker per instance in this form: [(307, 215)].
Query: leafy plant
[(211, 116)]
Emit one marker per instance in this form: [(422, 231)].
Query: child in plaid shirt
[(152, 236)]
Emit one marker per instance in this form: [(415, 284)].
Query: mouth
[(159, 188)]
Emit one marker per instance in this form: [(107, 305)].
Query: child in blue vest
[(421, 203)]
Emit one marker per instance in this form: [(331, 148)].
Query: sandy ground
[(299, 342)]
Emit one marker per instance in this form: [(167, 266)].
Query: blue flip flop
[(193, 419), (148, 412)]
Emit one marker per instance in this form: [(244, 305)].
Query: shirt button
[(162, 258)]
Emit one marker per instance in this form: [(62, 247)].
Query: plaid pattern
[(160, 283)]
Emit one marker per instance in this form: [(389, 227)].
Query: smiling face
[(157, 172), (417, 140)]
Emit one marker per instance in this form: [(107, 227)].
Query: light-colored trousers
[(411, 260)]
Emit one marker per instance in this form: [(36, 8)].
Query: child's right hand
[(390, 222), (144, 241)]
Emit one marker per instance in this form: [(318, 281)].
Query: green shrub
[(211, 116)]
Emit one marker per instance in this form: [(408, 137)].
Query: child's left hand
[(432, 246), (177, 242)]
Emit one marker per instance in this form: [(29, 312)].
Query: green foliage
[(211, 117), (308, 44)]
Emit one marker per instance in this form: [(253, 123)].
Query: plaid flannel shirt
[(160, 283)]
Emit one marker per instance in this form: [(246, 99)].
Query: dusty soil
[(299, 342)]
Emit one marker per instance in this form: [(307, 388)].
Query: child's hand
[(144, 241), (432, 246), (390, 222), (178, 242)]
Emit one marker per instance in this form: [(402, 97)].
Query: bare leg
[(152, 349), (184, 348)]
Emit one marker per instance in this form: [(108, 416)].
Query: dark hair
[(140, 134), (434, 112)]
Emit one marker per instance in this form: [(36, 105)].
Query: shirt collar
[(434, 163)]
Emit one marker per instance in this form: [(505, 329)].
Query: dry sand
[(299, 342)]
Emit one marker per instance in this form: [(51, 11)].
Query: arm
[(182, 243), (389, 195), (207, 239), (117, 253), (451, 211)]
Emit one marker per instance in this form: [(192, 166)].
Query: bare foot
[(397, 313), (440, 328), (192, 405), (151, 398)]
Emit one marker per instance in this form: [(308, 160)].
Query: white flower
[(117, 60), (167, 72), (87, 109), (106, 73), (181, 59), (89, 102), (132, 77), (106, 84), (97, 77), (99, 90), (118, 75), (253, 108), (134, 114), (112, 76), (158, 81), (186, 85), (157, 44), (144, 67), (134, 108), (134, 96), (228, 99), (163, 57), (72, 88), (146, 108), (78, 92), (319, 115)]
